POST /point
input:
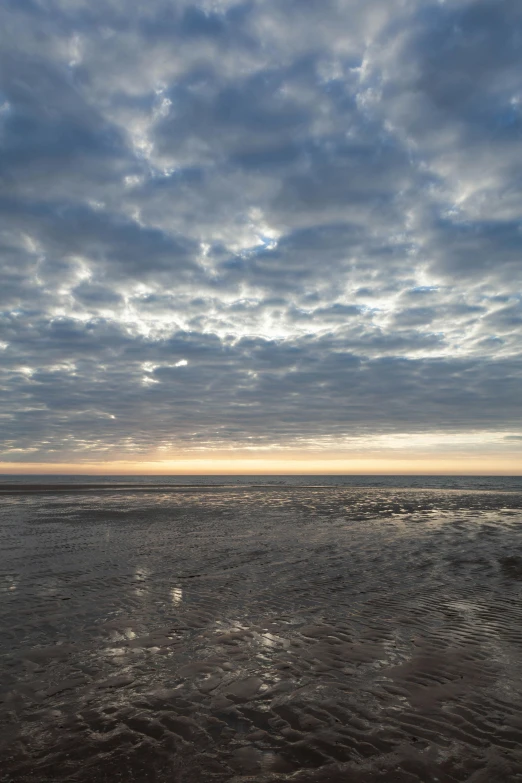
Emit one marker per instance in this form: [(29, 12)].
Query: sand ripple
[(261, 634)]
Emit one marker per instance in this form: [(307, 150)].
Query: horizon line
[(262, 474)]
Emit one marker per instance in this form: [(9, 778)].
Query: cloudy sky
[(280, 232)]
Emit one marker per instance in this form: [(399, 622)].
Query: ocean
[(317, 629)]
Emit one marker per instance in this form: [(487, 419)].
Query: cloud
[(255, 224)]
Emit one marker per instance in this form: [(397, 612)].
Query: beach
[(260, 633)]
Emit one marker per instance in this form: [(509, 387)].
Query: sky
[(261, 236)]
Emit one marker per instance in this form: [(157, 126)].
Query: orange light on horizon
[(304, 465)]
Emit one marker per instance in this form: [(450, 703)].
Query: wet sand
[(261, 634)]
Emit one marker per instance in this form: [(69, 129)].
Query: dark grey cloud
[(255, 224)]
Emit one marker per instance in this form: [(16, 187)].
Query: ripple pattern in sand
[(262, 634)]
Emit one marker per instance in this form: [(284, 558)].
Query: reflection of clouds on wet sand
[(176, 595), (339, 632)]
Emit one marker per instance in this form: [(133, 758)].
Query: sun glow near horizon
[(424, 464), (457, 453)]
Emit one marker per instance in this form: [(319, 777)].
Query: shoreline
[(18, 488)]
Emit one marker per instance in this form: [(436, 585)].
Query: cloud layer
[(258, 224)]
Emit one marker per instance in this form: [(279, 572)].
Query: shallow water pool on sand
[(261, 634)]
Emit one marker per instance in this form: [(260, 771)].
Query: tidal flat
[(321, 634)]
